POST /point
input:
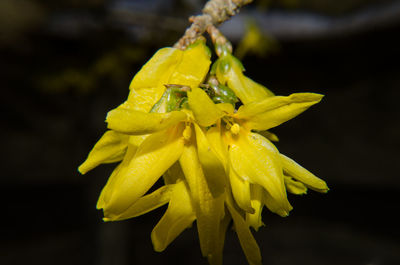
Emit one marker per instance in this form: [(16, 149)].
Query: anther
[(235, 129), (187, 133)]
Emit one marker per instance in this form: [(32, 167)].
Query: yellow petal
[(256, 91), (274, 205), (173, 174), (227, 108), (204, 110), (241, 191), (295, 187), (209, 210), (157, 69), (154, 156), (213, 169), (145, 204), (110, 148), (219, 146), (230, 73), (257, 203), (126, 120), (272, 111), (168, 66), (147, 86), (246, 239), (194, 66), (216, 257), (105, 195), (301, 174), (107, 190), (179, 216), (255, 158), (269, 135)]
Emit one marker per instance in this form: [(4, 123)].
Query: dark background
[(65, 63)]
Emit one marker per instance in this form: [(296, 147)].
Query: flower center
[(187, 132), (235, 129)]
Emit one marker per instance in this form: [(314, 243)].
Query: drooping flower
[(257, 171), (153, 143), (216, 165), (167, 66)]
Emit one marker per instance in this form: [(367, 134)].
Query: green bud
[(223, 94), (224, 64), (171, 99), (213, 70)]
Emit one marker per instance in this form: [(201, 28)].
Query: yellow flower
[(251, 160), (167, 66), (151, 143), (173, 136), (216, 167)]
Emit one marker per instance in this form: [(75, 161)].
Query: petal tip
[(83, 169)]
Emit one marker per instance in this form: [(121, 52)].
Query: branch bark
[(214, 13)]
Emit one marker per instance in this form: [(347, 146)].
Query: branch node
[(214, 13)]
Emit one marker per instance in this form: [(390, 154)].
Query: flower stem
[(214, 13)]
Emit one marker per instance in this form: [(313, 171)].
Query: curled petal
[(154, 156), (209, 209), (301, 174), (241, 191), (256, 159), (246, 239), (126, 120), (204, 110), (134, 142), (257, 203), (273, 111), (179, 216), (213, 169), (295, 187), (274, 205), (109, 149), (145, 204)]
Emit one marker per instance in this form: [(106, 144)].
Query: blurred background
[(65, 63)]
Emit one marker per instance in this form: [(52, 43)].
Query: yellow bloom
[(153, 143), (215, 167), (167, 66), (250, 159), (174, 136)]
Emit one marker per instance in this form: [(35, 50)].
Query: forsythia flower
[(250, 159), (216, 167)]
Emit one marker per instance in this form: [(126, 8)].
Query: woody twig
[(213, 14)]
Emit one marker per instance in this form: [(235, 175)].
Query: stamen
[(228, 122), (235, 129), (187, 133)]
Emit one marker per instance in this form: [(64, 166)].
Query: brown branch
[(214, 13)]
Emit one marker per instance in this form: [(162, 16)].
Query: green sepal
[(171, 99)]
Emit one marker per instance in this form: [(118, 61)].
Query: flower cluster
[(204, 130)]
